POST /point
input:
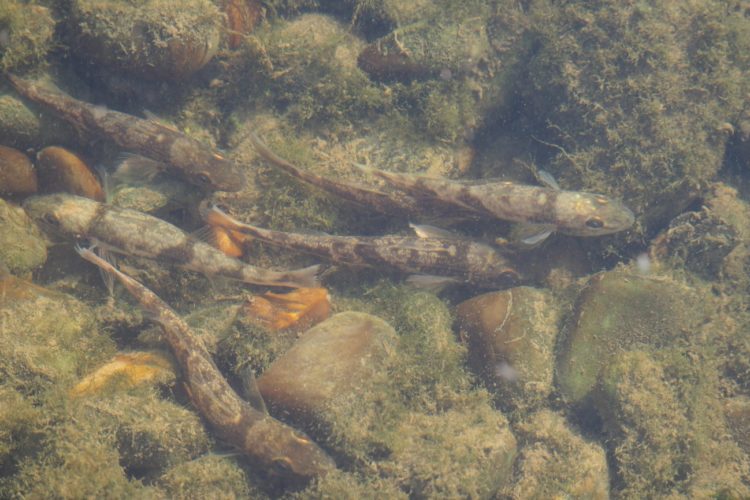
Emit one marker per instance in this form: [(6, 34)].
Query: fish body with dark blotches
[(548, 208), (443, 258), (196, 162), (277, 447), (136, 233)]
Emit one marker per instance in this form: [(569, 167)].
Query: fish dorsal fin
[(426, 231), (250, 390), (547, 179), (136, 169), (430, 282)]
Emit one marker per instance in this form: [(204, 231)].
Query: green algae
[(211, 475), (22, 246), (631, 97), (555, 461), (618, 311), (27, 32)]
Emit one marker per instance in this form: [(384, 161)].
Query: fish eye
[(594, 223), (282, 466), (203, 178), (50, 219)]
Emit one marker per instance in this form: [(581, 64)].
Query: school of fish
[(432, 256)]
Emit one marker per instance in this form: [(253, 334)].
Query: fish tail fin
[(308, 277)]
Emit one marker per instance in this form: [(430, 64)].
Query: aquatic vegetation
[(22, 246), (26, 34)]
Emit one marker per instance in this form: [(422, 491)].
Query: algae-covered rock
[(629, 98), (511, 337), (556, 462), (737, 412), (210, 476), (47, 338), (26, 32), (309, 68), (462, 453), (334, 360), (155, 39), (618, 311), (79, 460), (21, 424), (665, 427), (22, 246), (151, 434), (159, 198), (23, 126)]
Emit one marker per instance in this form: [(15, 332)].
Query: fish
[(441, 257), (277, 447), (548, 208), (135, 233), (196, 162), (359, 194)]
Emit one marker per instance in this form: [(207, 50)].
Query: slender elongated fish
[(432, 252), (278, 447), (548, 207), (135, 233), (188, 158)]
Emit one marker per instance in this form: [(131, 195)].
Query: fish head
[(64, 214), (589, 214), (290, 454), (205, 168)]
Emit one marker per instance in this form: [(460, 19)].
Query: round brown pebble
[(63, 170), (17, 174)]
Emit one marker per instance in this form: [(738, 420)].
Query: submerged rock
[(156, 39), (46, 337), (22, 245), (17, 174), (334, 358), (556, 462), (461, 453), (618, 311), (511, 337)]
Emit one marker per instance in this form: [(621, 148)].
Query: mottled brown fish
[(135, 233), (188, 158), (433, 257), (549, 208), (277, 447)]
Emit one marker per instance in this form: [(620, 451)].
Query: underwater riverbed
[(374, 249)]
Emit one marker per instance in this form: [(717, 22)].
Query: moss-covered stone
[(151, 434), (618, 311), (47, 338), (22, 246), (210, 476), (629, 99), (511, 338), (556, 462), (25, 126), (154, 39), (26, 32), (308, 67), (665, 427), (461, 453)]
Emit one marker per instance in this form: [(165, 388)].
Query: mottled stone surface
[(511, 337), (557, 462), (618, 311), (22, 245), (329, 360)]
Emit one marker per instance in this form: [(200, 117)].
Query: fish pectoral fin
[(430, 282), (426, 231), (547, 179), (250, 391), (136, 169), (530, 235)]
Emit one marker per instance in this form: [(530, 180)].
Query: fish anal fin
[(250, 391)]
